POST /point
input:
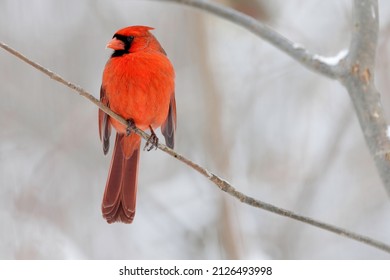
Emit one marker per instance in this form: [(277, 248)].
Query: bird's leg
[(130, 126), (152, 141)]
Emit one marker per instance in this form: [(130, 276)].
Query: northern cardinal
[(137, 84)]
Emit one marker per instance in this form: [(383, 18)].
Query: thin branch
[(72, 86), (296, 51), (219, 182)]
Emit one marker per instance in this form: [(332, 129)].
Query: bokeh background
[(246, 111)]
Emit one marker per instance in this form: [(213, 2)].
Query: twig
[(296, 51), (72, 86), (219, 182)]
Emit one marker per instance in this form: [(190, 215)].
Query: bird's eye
[(130, 38)]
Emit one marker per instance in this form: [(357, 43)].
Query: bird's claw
[(152, 141), (130, 126)]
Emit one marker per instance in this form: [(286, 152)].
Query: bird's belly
[(145, 105)]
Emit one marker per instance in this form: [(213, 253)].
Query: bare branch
[(354, 69), (72, 86), (296, 51), (219, 182), (365, 32), (360, 83)]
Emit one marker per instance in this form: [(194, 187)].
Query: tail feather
[(119, 198)]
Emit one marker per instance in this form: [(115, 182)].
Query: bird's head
[(133, 39)]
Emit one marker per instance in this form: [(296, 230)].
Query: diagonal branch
[(219, 182), (297, 52)]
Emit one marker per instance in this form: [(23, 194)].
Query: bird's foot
[(130, 126), (152, 141)]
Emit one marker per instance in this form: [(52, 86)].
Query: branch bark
[(359, 82)]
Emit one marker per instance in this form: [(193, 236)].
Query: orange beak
[(115, 44)]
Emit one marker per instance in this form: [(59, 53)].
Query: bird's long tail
[(119, 198)]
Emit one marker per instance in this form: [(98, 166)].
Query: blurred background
[(246, 111)]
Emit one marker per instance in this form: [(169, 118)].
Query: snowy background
[(246, 111)]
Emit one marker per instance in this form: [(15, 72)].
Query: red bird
[(138, 84)]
